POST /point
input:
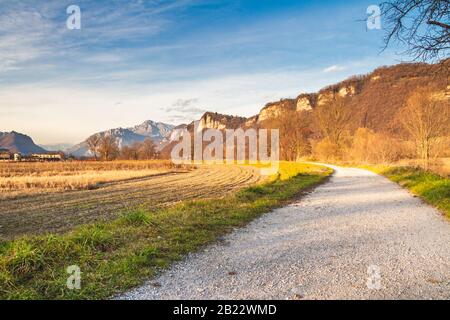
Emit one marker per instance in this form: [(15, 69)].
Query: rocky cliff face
[(375, 97), (305, 102), (208, 121), (219, 121), (275, 109)]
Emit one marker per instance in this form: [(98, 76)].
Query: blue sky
[(171, 60)]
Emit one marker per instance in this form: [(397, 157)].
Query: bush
[(370, 147), (327, 151)]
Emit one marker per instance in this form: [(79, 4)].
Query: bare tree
[(333, 120), (422, 25), (426, 118), (371, 147), (294, 131), (108, 148), (93, 143), (147, 150), (130, 152)]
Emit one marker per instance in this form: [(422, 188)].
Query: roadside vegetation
[(424, 138), (117, 255), (429, 186)]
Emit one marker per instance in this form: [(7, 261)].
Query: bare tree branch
[(440, 24), (422, 25)]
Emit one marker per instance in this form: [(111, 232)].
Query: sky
[(171, 61)]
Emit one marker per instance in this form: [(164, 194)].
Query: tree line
[(106, 148), (328, 132)]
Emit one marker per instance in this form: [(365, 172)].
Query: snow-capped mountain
[(157, 131)]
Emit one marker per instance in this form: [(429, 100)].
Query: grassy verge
[(432, 188), (118, 255)]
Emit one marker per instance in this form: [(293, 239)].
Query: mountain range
[(157, 131), (18, 142), (375, 98)]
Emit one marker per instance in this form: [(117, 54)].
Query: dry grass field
[(28, 178), (55, 197)]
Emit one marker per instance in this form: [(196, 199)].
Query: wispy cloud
[(334, 68), (184, 110), (24, 36), (33, 31), (185, 102)]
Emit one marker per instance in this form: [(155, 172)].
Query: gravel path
[(325, 246)]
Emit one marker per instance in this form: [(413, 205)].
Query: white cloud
[(24, 36), (334, 68)]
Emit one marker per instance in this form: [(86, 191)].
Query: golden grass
[(35, 177), (78, 181), (440, 166), (15, 169)]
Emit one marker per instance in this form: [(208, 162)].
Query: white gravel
[(321, 248)]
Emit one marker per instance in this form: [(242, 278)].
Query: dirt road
[(58, 212), (359, 236)]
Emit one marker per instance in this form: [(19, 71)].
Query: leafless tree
[(371, 147), (144, 150), (147, 150), (130, 152), (333, 120), (294, 131), (108, 148), (93, 143), (426, 118), (422, 25)]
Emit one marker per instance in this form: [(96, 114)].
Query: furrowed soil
[(60, 212)]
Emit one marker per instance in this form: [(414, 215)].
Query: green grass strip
[(432, 188)]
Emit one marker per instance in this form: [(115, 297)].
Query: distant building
[(51, 156), (17, 157)]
